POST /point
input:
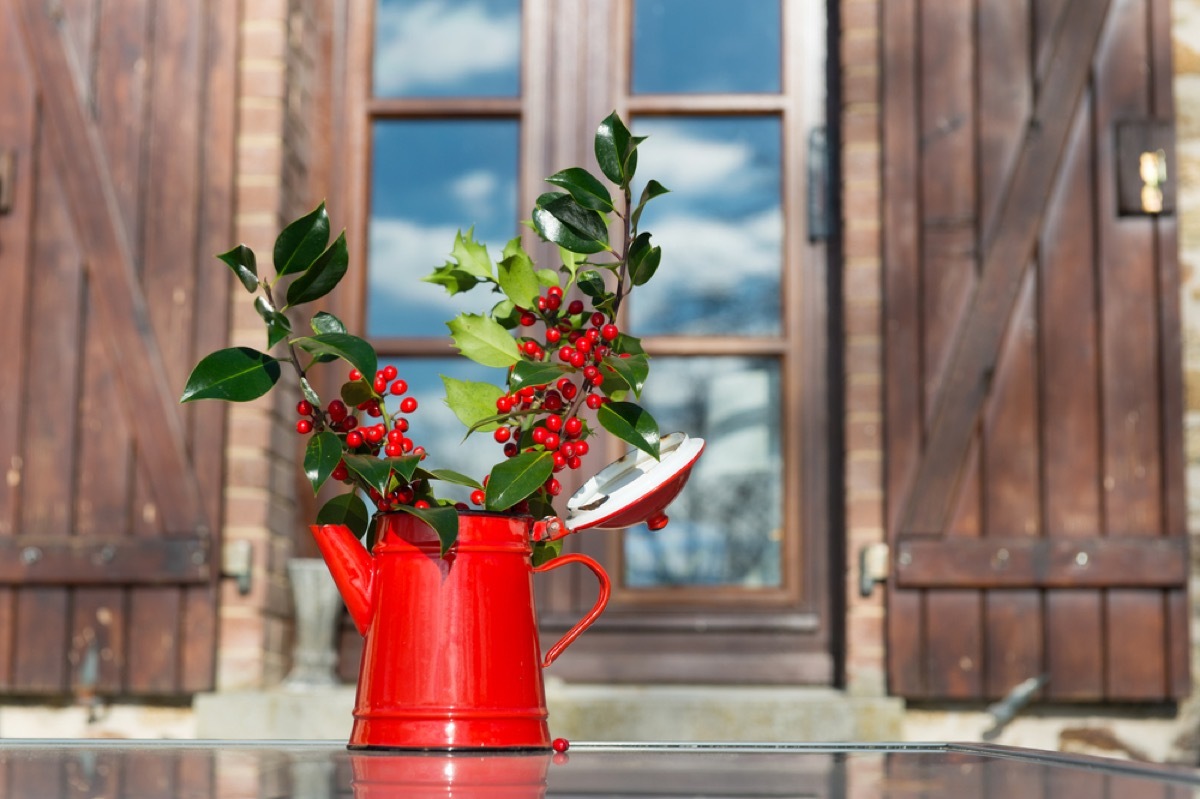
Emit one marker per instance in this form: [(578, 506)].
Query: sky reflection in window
[(720, 228), (435, 48), (430, 179), (726, 525), (710, 46)]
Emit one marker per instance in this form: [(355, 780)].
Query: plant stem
[(626, 224)]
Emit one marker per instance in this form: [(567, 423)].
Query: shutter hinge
[(237, 562), (819, 189), (873, 561)]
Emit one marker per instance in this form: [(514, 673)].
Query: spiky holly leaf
[(483, 340), (237, 374)]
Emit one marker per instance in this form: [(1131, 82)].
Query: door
[(1034, 447), (116, 132)]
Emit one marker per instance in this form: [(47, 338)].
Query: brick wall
[(862, 312)]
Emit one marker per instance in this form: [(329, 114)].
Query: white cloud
[(431, 44), (688, 164), (709, 253), (477, 191)]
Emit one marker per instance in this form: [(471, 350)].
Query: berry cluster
[(544, 418), (387, 436)]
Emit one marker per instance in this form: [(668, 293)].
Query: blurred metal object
[(1006, 709)]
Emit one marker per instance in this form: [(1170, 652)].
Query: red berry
[(511, 449), (420, 503), (304, 426), (337, 410), (395, 435), (581, 448), (561, 744), (594, 401), (504, 404), (573, 427), (527, 319), (374, 433), (609, 332), (393, 450), (399, 387), (477, 496), (575, 307), (565, 353), (304, 408), (553, 303), (340, 472), (380, 383), (593, 335), (584, 344), (567, 449), (577, 359), (598, 319), (541, 303), (502, 434), (591, 373), (354, 439), (574, 462), (554, 291), (560, 460), (570, 390), (350, 422), (402, 425), (390, 371), (355, 375), (539, 435), (553, 487), (408, 404), (553, 335), (554, 423), (531, 348)]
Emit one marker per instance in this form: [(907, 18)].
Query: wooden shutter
[(119, 116), (1033, 389)]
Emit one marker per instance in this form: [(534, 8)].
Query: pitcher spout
[(352, 568)]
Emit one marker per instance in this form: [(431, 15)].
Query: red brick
[(860, 14)]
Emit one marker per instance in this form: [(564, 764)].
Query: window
[(462, 108)]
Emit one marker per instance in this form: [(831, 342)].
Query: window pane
[(709, 46), (726, 525), (435, 48), (720, 228), (435, 427), (429, 179)]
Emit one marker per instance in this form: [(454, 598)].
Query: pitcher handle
[(593, 614)]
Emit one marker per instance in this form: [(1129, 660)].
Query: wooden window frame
[(574, 71)]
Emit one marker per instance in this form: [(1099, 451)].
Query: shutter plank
[(1135, 662), (954, 644), (1013, 620), (41, 632), (1006, 254), (97, 653), (155, 615), (1075, 661)]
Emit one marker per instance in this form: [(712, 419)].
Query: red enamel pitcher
[(451, 658)]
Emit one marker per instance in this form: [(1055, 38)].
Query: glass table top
[(148, 770)]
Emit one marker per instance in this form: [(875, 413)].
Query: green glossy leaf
[(279, 326), (517, 478), (453, 279), (472, 401), (472, 256), (242, 261), (562, 220), (376, 472), (518, 280), (643, 259), (628, 344), (237, 374), (348, 509), (653, 189), (630, 423), (546, 551), (633, 370), (571, 261), (309, 393), (356, 392), (321, 457), (351, 349), (506, 314), (405, 466), (584, 187), (535, 373), (613, 145), (443, 520), (591, 283), (448, 476), (321, 277), (301, 242), (483, 340), (323, 322)]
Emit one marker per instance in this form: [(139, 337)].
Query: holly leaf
[(356, 392), (242, 261), (309, 392), (632, 424), (643, 259), (546, 551), (518, 280), (453, 279), (322, 275), (301, 242), (653, 189), (443, 520), (375, 472), (472, 256), (321, 457), (506, 314), (562, 220), (616, 150), (323, 322), (347, 509), (237, 374), (483, 340), (279, 326), (517, 478), (472, 401), (534, 373), (351, 349), (592, 284), (448, 476), (633, 370), (584, 187)]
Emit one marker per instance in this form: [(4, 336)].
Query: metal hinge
[(873, 561), (8, 175), (237, 562), (819, 193)]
